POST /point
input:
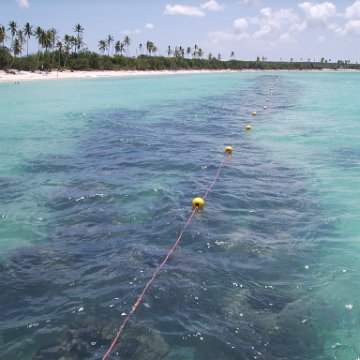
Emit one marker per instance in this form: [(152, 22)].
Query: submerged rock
[(143, 344), (91, 337)]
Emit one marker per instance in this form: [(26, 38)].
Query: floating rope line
[(198, 204), (217, 174)]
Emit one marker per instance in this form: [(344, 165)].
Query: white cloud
[(266, 12), (183, 10), (149, 26), (212, 5), (321, 39), (353, 11), (221, 36), (263, 31), (271, 22), (240, 24), (318, 14), (198, 11), (23, 3), (298, 26), (285, 37), (250, 2), (352, 27), (254, 20)]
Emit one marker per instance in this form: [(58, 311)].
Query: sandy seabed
[(17, 76)]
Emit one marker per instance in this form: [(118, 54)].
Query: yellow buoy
[(254, 113), (248, 127), (198, 203), (228, 150)]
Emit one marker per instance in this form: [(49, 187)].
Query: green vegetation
[(70, 53)]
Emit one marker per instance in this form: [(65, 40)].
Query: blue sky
[(271, 28)]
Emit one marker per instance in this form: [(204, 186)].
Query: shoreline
[(16, 76), (67, 74)]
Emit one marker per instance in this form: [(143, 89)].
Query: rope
[(156, 272), (216, 177)]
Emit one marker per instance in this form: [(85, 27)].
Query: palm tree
[(16, 48), (38, 33), (127, 42), (53, 36), (154, 49), (119, 48), (182, 51), (78, 41), (109, 41), (59, 46), (200, 53), (232, 55), (47, 39), (188, 50), (2, 35), (103, 47), (78, 29), (68, 41), (149, 46), (67, 48), (169, 52), (73, 41), (140, 48), (195, 51), (28, 33), (20, 36), (13, 29)]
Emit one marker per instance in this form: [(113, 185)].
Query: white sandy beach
[(16, 76)]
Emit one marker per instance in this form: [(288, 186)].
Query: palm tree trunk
[(59, 60), (38, 56), (66, 57), (12, 62), (52, 60)]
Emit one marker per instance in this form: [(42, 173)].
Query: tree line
[(70, 53)]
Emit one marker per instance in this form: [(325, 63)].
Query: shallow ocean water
[(96, 182)]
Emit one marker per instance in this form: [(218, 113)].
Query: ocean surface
[(96, 182)]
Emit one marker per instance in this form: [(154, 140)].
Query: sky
[(274, 29)]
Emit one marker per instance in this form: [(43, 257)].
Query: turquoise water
[(96, 182)]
